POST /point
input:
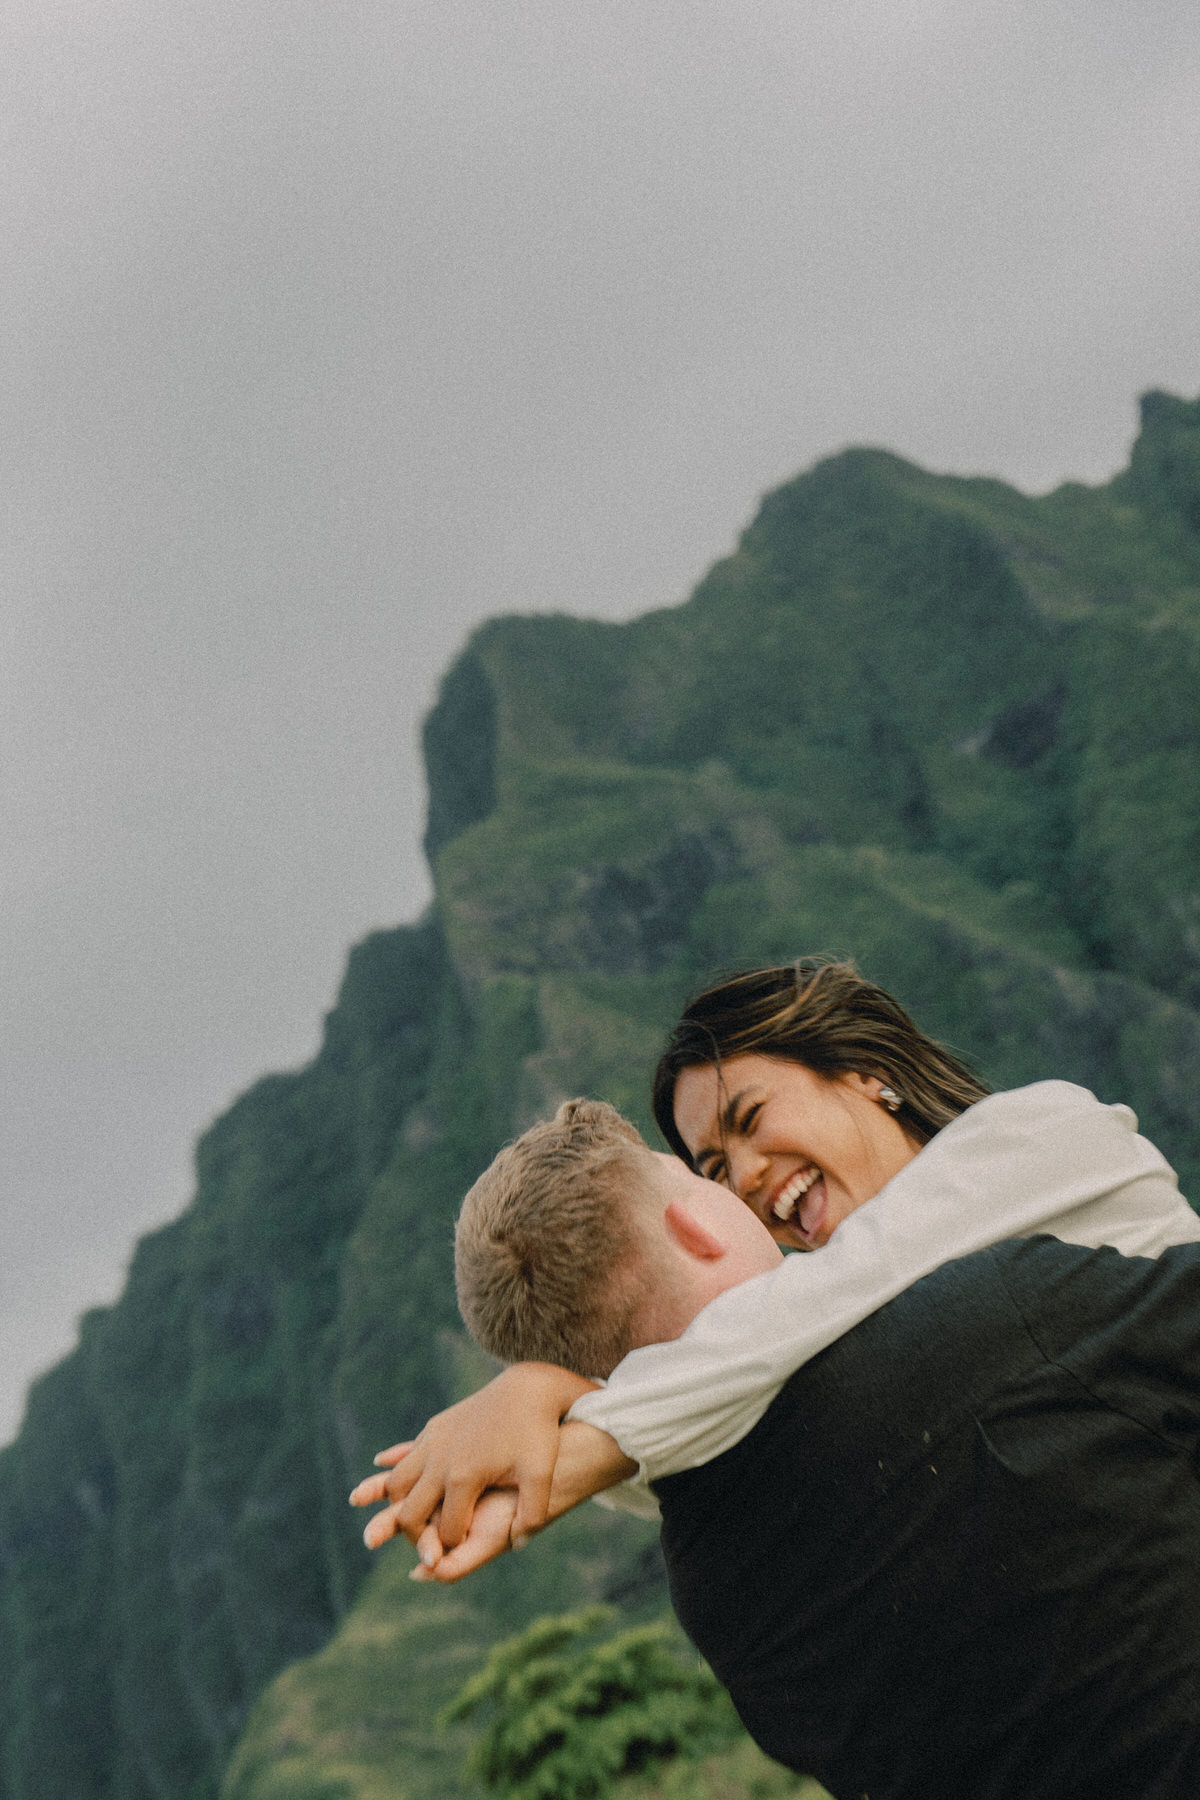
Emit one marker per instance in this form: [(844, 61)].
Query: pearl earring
[(890, 1098)]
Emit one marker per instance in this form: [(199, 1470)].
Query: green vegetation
[(567, 1718), (936, 724), (360, 1720)]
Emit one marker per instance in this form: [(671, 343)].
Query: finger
[(464, 1559), (370, 1491), (383, 1526), (533, 1503), (387, 1459), (429, 1547), (401, 1480), (415, 1509), (458, 1509)]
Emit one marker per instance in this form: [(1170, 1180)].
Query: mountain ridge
[(921, 719)]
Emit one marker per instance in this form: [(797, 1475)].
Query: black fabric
[(959, 1556)]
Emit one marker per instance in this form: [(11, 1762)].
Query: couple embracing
[(929, 1496)]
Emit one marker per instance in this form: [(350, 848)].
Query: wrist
[(545, 1386), (589, 1460)]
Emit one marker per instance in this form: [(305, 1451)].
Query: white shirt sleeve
[(1046, 1158)]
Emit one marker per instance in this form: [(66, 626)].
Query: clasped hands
[(487, 1473)]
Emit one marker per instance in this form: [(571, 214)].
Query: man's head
[(580, 1243)]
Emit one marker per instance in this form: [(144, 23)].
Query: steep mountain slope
[(933, 723)]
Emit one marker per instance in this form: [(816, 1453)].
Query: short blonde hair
[(547, 1252)]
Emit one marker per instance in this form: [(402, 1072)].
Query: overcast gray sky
[(330, 327)]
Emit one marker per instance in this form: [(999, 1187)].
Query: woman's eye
[(746, 1122)]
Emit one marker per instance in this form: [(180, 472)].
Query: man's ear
[(691, 1235)]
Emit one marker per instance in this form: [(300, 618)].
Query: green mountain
[(932, 723)]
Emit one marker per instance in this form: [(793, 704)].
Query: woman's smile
[(802, 1149), (801, 1200)]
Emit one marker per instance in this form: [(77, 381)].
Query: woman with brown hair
[(806, 1034)]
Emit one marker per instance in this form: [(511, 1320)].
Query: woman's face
[(802, 1150)]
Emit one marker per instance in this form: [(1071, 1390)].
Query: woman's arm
[(1047, 1158), (587, 1461), (506, 1435)]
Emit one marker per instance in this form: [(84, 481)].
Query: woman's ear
[(693, 1237), (875, 1088)]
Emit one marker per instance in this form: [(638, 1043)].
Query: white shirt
[(1047, 1158)]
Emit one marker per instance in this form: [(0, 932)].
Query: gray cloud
[(332, 328)]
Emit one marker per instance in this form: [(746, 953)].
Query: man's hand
[(505, 1436)]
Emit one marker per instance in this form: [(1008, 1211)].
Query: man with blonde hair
[(577, 1245), (958, 1556)]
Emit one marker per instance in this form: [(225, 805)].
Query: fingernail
[(429, 1558), (369, 1538), (420, 1573), (520, 1541), (378, 1460)]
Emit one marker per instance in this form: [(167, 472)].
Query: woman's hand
[(489, 1536), (588, 1461), (504, 1436)]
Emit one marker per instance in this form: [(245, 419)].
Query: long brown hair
[(825, 1015)]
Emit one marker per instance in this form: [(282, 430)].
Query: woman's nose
[(746, 1171)]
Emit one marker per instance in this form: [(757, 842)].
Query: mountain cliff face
[(931, 723)]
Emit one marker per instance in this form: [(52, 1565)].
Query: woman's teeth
[(786, 1201)]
